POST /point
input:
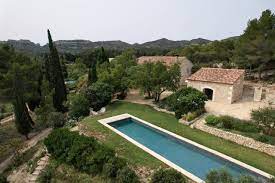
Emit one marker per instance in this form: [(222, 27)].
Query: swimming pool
[(188, 157)]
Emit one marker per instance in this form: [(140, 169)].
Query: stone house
[(220, 85), (185, 64)]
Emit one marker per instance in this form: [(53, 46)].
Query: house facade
[(185, 64), (219, 85)]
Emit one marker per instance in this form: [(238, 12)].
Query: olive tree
[(264, 117)]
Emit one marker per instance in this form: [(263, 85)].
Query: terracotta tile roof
[(168, 60), (217, 75)]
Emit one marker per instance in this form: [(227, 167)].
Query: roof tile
[(217, 75), (168, 60)]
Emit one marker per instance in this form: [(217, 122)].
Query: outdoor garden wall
[(239, 139)]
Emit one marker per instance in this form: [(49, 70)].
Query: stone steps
[(41, 164)]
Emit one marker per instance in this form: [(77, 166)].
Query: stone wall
[(239, 139), (270, 95), (221, 92), (185, 69), (238, 89)]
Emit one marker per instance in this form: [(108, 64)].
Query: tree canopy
[(18, 85), (155, 78)]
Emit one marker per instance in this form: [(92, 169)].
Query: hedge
[(231, 123), (168, 176), (87, 155)]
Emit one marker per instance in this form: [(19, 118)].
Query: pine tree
[(55, 76)]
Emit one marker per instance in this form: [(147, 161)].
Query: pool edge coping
[(108, 120)]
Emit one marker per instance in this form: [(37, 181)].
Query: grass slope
[(138, 157), (10, 140)]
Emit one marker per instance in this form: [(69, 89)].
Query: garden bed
[(241, 127)]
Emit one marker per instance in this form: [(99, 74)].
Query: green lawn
[(138, 157)]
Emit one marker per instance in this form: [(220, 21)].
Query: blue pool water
[(187, 156)]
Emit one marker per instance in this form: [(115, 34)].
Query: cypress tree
[(92, 75), (55, 76), (23, 120), (63, 66), (102, 56)]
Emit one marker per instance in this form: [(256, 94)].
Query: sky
[(132, 21)]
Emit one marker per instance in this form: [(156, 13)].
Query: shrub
[(81, 152), (262, 138), (246, 179), (57, 119), (126, 175), (59, 142), (200, 111), (98, 159), (46, 175), (113, 165), (99, 95), (3, 179), (265, 117), (168, 176), (191, 116), (178, 114), (79, 106), (184, 100), (221, 176), (87, 155), (212, 120), (190, 100), (245, 126), (227, 122), (272, 180)]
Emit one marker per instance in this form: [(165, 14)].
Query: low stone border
[(239, 139), (162, 110), (7, 119), (182, 121)]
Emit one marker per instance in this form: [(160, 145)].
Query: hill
[(77, 46)]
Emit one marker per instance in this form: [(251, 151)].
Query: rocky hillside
[(77, 46)]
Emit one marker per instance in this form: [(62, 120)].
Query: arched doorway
[(209, 93)]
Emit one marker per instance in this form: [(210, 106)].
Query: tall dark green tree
[(102, 56), (91, 61), (92, 75), (23, 121), (55, 76), (63, 66)]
